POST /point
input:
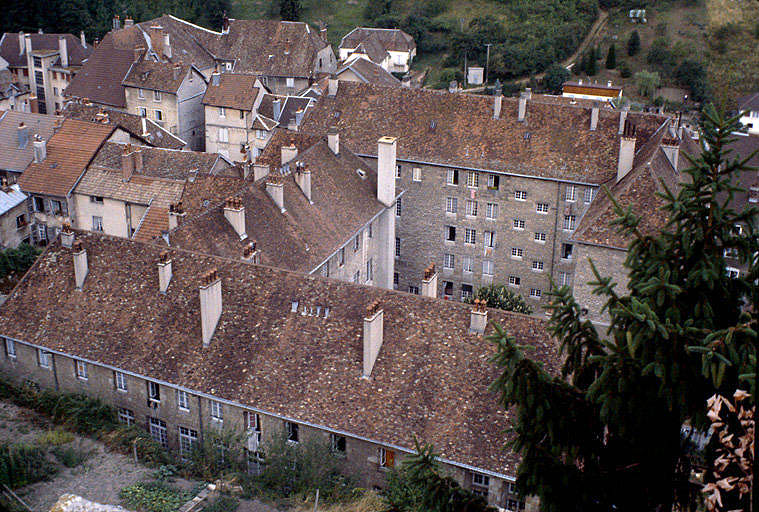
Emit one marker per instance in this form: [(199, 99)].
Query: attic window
[(294, 307), (206, 202), (337, 114), (361, 173), (527, 136), (433, 125)]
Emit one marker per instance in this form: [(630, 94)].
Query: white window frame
[(520, 195), (570, 193), (470, 236), (217, 411), (491, 212), (536, 293), (334, 441), (81, 370), (120, 382), (515, 281), (517, 253), (480, 484), (542, 208), (382, 457), (732, 272), (489, 239), (43, 358), (154, 392), (141, 93), (398, 171), (565, 278), (397, 247), (539, 237), (452, 177), (488, 267), (537, 265), (518, 224), (451, 205), (126, 416), (142, 112), (293, 431), (467, 263), (290, 82), (183, 400), (449, 261), (97, 223), (471, 208), (158, 115), (223, 135), (157, 428), (569, 222), (588, 195), (156, 95), (10, 348), (398, 207), (188, 438), (472, 179), (222, 112), (416, 174), (369, 270)]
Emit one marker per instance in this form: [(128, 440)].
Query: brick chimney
[(40, 149), (429, 283), (22, 135), (275, 189), (479, 317), (373, 334), (522, 107), (63, 51), (67, 236), (82, 39), (332, 86), (80, 264), (250, 253), (137, 159), (234, 212), (333, 140), (386, 149), (289, 153), (34, 106), (210, 304), (164, 272), (176, 214), (303, 179), (626, 150), (127, 164), (594, 116)]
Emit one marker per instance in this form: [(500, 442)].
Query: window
[(542, 208), (182, 402), (20, 221), (39, 204), (471, 208), (480, 484), (142, 112), (223, 135), (448, 261), (253, 425), (396, 279), (242, 114), (466, 291), (470, 236), (520, 195), (156, 95), (519, 224), (120, 380), (517, 253), (565, 279), (397, 170), (488, 268), (158, 431), (566, 251), (56, 208), (569, 193), (337, 444), (96, 199), (292, 432), (535, 293), (540, 238), (369, 270), (97, 223), (37, 62), (370, 230), (260, 134), (159, 116), (515, 281), (493, 181), (341, 257), (450, 233), (472, 179), (492, 211), (141, 94), (569, 222), (357, 276), (188, 438), (398, 207), (217, 412), (452, 177), (228, 66), (397, 247), (325, 270), (730, 252), (589, 194), (490, 239), (126, 416), (537, 265), (733, 273), (154, 392), (413, 289), (467, 264), (10, 348), (290, 82), (55, 91), (416, 174), (447, 289), (451, 205), (222, 112), (386, 458), (81, 370), (356, 243), (43, 358)]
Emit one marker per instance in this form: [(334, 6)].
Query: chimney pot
[(40, 149), (127, 164), (164, 271), (210, 304), (429, 283), (128, 22), (176, 213), (386, 163), (234, 212), (373, 336), (80, 264), (478, 317), (333, 140), (67, 236)]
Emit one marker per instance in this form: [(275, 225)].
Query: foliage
[(165, 473), (692, 74), (55, 437), (125, 439), (223, 504), (220, 452), (21, 464), (606, 433), (290, 10), (154, 497), (624, 70), (633, 44), (18, 260), (70, 456), (419, 486), (501, 297), (554, 78), (611, 57), (648, 82)]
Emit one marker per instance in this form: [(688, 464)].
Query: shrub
[(124, 438), (70, 456), (17, 260), (223, 504), (624, 70), (633, 44), (154, 497), (500, 297), (55, 437), (611, 57), (21, 464), (220, 453), (555, 77)]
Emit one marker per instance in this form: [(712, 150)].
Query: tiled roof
[(290, 105), (750, 102), (9, 48), (234, 91), (390, 39), (13, 158), (140, 127), (372, 48), (158, 76), (142, 190), (741, 147), (184, 39), (10, 198), (430, 380), (458, 129), (370, 73), (163, 163), (69, 152), (154, 222)]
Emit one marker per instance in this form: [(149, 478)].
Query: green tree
[(691, 74), (290, 10), (500, 297), (633, 44), (17, 260), (611, 57), (555, 77), (648, 82), (606, 434)]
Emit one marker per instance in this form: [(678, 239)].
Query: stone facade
[(609, 261)]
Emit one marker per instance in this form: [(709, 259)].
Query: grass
[(366, 501), (55, 437)]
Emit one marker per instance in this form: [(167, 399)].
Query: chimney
[(164, 272), (276, 106), (167, 46), (225, 24), (28, 50), (333, 140), (289, 153), (429, 283), (594, 117), (176, 214), (215, 78), (497, 103), (608, 83), (332, 86), (128, 22), (626, 151), (116, 22), (528, 92), (275, 189), (63, 51), (323, 33), (299, 116), (522, 106), (138, 53), (260, 171), (386, 148), (373, 333), (23, 135), (127, 164), (40, 149), (671, 148), (303, 179), (250, 253), (145, 132), (34, 105), (210, 304), (479, 317), (176, 70), (622, 121), (80, 264), (234, 212), (67, 235), (82, 39), (137, 159), (21, 43)]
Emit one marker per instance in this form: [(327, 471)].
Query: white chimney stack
[(167, 45), (522, 107), (234, 212), (210, 305), (21, 43), (63, 51), (40, 149), (626, 151), (671, 148), (127, 164), (333, 140), (82, 39), (622, 121), (303, 179), (164, 272), (289, 153), (176, 213), (594, 117), (67, 236), (373, 334), (429, 283), (275, 189), (80, 264), (386, 162), (478, 320), (497, 104)]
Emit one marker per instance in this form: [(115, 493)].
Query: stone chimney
[(594, 117), (63, 51), (622, 121), (671, 148), (260, 171), (333, 140), (626, 151), (167, 45), (67, 236), (522, 106), (386, 149), (215, 78), (22, 135), (528, 93), (127, 164), (429, 283), (29, 60), (80, 264), (82, 39), (299, 116), (373, 334), (250, 253), (40, 149), (479, 317), (234, 212), (289, 153), (303, 179), (276, 106), (128, 22), (176, 214), (275, 189), (176, 70), (210, 304), (21, 43), (116, 22), (332, 86), (323, 33), (164, 272)]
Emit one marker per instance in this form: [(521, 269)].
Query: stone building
[(14, 219), (213, 343), (364, 70), (390, 48), (18, 131)]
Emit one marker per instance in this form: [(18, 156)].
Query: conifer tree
[(611, 57), (606, 433), (633, 44)]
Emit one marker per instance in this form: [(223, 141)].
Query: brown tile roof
[(184, 37), (372, 48), (389, 38), (370, 73), (154, 222), (750, 102), (12, 157), (9, 48), (430, 380), (234, 91), (142, 190), (158, 76), (458, 129), (69, 152), (140, 127)]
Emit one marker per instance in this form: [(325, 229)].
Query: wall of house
[(399, 62), (609, 262), (167, 105), (190, 111), (47, 221), (751, 121), (325, 61), (349, 76), (113, 213), (238, 134), (11, 235), (278, 84)]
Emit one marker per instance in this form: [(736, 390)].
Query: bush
[(71, 456), (21, 464), (154, 497), (500, 297), (633, 44), (624, 70), (124, 438), (223, 504), (220, 453), (55, 437), (611, 57), (554, 78), (17, 260)]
